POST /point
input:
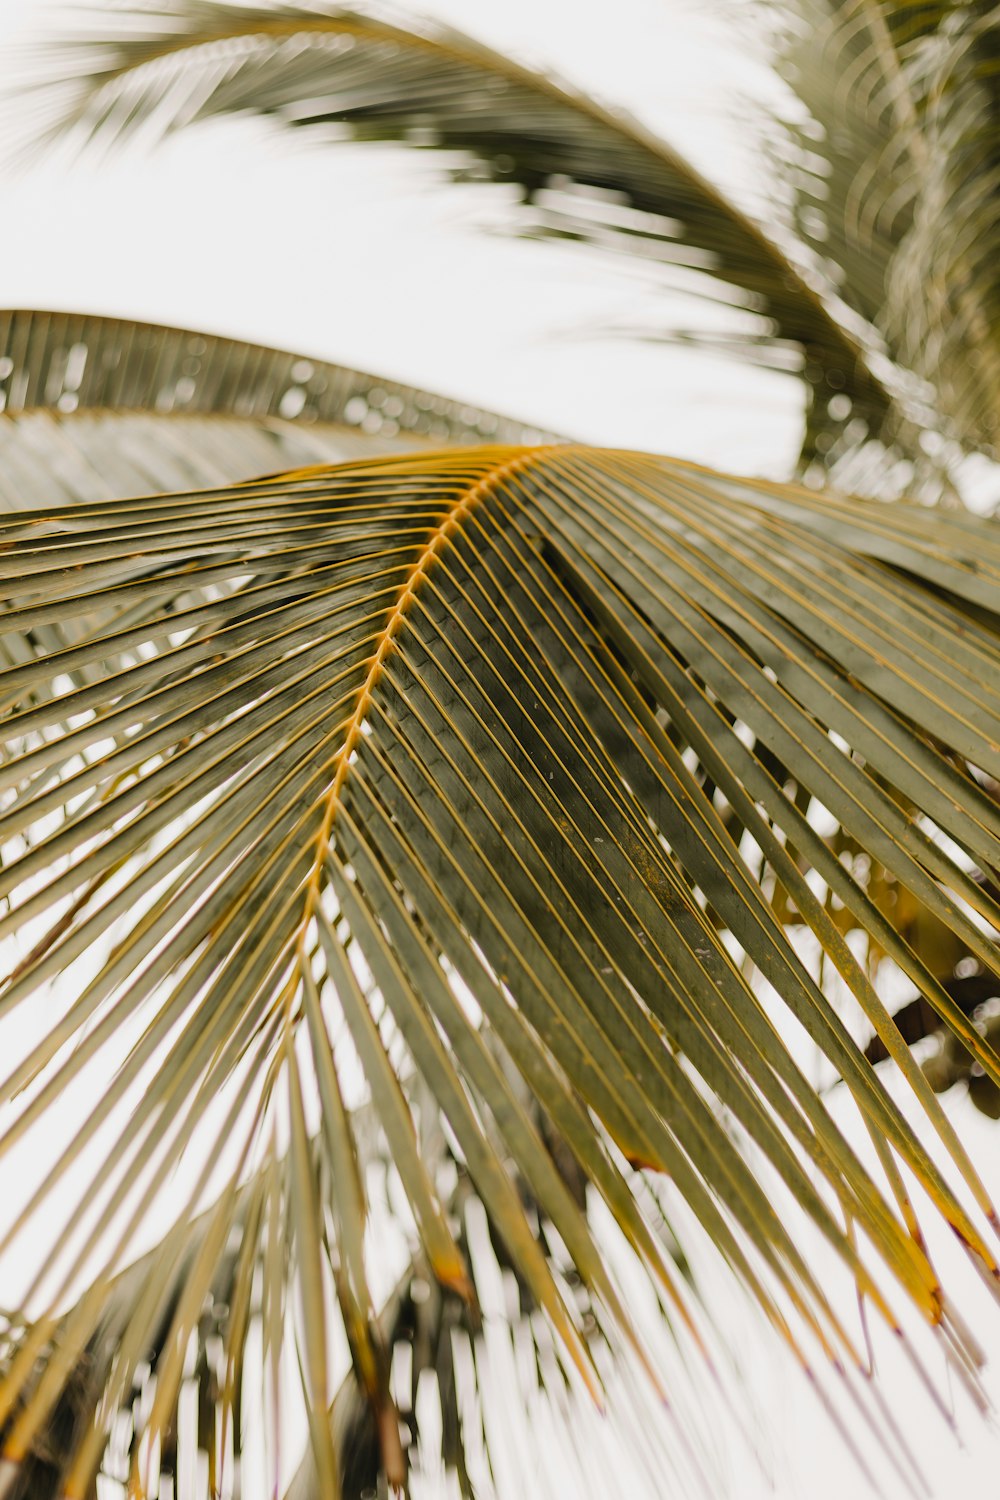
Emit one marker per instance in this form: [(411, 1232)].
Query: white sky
[(353, 254)]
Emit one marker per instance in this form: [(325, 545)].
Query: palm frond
[(584, 172), (424, 1340), (92, 408), (77, 366), (855, 175), (950, 335), (486, 771), (894, 184)]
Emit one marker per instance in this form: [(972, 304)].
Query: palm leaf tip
[(479, 784)]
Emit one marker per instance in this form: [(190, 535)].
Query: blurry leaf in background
[(894, 188), (585, 172)]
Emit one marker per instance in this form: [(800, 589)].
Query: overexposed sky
[(355, 254)]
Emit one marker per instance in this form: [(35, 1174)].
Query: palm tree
[(436, 833)]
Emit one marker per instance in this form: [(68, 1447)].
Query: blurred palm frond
[(578, 170)]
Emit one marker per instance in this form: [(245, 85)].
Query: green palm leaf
[(894, 186), (479, 773), (92, 408), (950, 337), (437, 1334), (73, 387), (586, 172)]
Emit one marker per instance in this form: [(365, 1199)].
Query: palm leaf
[(436, 1335), (395, 783), (894, 184), (73, 387), (855, 177), (92, 408), (950, 336), (585, 172)]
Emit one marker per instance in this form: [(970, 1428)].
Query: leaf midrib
[(458, 511)]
